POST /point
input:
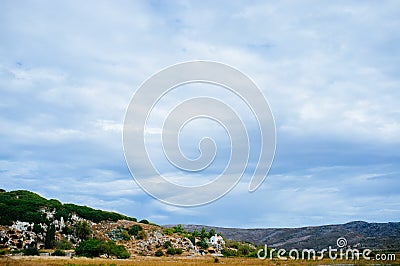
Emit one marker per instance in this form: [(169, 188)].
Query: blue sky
[(330, 71)]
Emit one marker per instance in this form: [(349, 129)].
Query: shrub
[(168, 231), (119, 251), (64, 244), (167, 244), (58, 252), (141, 235), (3, 252), (179, 229), (31, 251), (88, 248), (159, 253), (171, 251), (216, 260), (244, 250), (135, 229), (229, 252), (178, 251), (144, 221), (93, 248), (125, 235)]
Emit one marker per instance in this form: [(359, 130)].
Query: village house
[(217, 242)]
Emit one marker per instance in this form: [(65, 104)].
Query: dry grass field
[(172, 261)]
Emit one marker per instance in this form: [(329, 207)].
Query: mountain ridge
[(357, 233)]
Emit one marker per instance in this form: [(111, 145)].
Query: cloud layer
[(328, 69)]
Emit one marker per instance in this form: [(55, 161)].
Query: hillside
[(29, 207), (358, 233), (30, 224)]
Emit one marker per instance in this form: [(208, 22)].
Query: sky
[(329, 70)]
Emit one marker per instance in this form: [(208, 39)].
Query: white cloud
[(329, 71)]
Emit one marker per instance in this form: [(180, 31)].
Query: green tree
[(31, 251), (203, 244), (37, 228), (195, 233), (82, 230), (179, 229), (211, 233), (50, 239), (64, 244), (144, 221), (93, 248), (203, 233), (88, 248)]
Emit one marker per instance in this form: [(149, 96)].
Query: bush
[(142, 235), (171, 251), (144, 221), (216, 260), (119, 251), (58, 252), (167, 244), (135, 229), (64, 244), (3, 252), (229, 252), (31, 251), (125, 235), (179, 229), (159, 253), (244, 250), (88, 248), (93, 248), (168, 231), (178, 251)]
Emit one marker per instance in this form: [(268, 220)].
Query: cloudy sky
[(329, 69)]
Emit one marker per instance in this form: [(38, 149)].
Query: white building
[(216, 242)]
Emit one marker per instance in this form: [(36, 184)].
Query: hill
[(358, 233), (31, 224), (29, 207)]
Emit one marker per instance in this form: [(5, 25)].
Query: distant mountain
[(358, 233)]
